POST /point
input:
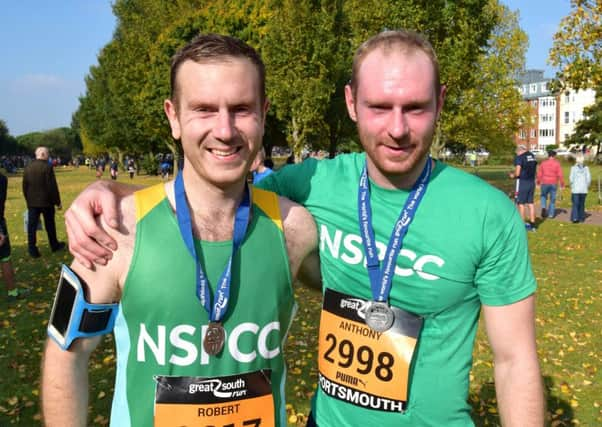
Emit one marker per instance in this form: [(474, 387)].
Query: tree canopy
[(308, 47), (577, 48)]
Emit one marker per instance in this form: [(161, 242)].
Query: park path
[(593, 217)]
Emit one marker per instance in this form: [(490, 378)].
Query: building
[(572, 104), (553, 117)]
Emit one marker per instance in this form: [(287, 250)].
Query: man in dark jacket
[(42, 195)]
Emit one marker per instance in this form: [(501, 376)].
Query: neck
[(212, 208), (400, 181)]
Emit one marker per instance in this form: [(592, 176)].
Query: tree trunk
[(173, 148), (296, 141), (332, 145)]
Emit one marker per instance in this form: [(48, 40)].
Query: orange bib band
[(237, 400)]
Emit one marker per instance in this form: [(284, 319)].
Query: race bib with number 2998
[(360, 365)]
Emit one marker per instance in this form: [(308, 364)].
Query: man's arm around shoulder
[(65, 373), (518, 383), (301, 237)]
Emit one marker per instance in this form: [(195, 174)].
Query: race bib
[(231, 401), (360, 365)]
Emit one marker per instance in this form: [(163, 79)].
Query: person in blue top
[(580, 179), (525, 166), (259, 168)]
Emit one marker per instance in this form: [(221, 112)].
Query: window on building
[(533, 88), (567, 98), (566, 117), (533, 133), (522, 134), (544, 87)]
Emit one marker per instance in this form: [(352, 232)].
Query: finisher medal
[(214, 338), (379, 316)]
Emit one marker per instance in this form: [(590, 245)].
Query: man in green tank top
[(411, 251), (195, 344)]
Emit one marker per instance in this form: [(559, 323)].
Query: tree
[(577, 50), (62, 142), (8, 143), (307, 47), (490, 111), (300, 50)]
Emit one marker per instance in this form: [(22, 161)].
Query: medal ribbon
[(241, 220), (381, 279)]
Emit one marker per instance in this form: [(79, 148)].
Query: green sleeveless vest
[(161, 322)]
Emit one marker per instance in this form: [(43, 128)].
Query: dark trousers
[(578, 209), (33, 218), (311, 422)]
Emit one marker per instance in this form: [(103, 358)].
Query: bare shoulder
[(300, 231), (296, 219), (105, 282)]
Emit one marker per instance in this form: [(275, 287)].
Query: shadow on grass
[(559, 412)]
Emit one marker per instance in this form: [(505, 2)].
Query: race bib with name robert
[(360, 365), (231, 401)]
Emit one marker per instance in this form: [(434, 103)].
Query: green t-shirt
[(465, 247)]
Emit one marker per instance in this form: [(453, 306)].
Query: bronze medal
[(213, 343), (379, 316)]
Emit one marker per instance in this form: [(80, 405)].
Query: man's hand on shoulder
[(89, 242)]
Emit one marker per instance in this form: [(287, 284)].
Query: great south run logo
[(348, 248), (355, 304), (219, 388)]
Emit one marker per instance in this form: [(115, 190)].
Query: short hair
[(405, 40), (215, 48), (42, 153)]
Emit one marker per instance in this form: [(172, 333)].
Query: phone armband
[(73, 317)]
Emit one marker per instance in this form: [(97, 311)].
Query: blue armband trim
[(73, 317)]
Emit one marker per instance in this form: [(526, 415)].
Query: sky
[(47, 48)]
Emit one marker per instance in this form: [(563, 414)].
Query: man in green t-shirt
[(411, 252)]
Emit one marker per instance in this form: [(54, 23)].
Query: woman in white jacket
[(580, 179)]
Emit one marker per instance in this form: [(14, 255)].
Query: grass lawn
[(566, 259)]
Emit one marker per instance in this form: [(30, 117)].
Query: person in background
[(525, 166), (41, 194), (259, 168), (8, 273), (549, 177), (580, 179), (131, 167), (114, 166)]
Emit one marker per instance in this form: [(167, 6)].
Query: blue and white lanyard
[(381, 279), (241, 220)]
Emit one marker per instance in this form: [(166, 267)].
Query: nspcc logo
[(186, 338), (348, 248)]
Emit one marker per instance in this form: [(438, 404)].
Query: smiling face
[(219, 118), (396, 107)]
